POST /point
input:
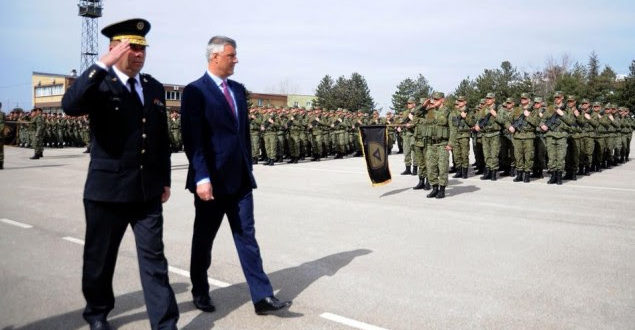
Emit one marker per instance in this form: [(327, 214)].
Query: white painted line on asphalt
[(185, 273), (350, 322), (73, 240), (17, 224)]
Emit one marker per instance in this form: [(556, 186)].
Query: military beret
[(411, 99), (490, 95), (537, 99), (571, 98), (461, 98), (134, 30), (438, 95), (558, 94), (524, 96)]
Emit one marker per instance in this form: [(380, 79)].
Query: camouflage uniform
[(438, 137)]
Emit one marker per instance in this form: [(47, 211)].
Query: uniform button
[(116, 108), (141, 167), (143, 120), (143, 135), (143, 151)]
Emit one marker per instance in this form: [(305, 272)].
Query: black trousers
[(106, 224)]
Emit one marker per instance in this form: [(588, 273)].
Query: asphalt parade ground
[(495, 255)]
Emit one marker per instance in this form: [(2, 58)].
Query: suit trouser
[(239, 209), (106, 224)]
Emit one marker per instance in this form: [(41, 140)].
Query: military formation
[(295, 134), (567, 138), (37, 130)]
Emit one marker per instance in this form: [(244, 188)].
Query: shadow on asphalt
[(394, 192), (290, 281)]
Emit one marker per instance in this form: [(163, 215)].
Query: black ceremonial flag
[(375, 149)]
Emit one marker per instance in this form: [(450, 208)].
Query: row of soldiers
[(37, 130), (566, 138), (296, 133)]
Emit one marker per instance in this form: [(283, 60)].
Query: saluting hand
[(115, 53), (559, 112)]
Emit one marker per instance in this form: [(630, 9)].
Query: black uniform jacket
[(130, 157)]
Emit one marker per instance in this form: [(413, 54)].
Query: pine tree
[(324, 93)]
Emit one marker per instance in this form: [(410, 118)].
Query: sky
[(290, 45)]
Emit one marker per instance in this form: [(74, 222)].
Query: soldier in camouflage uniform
[(315, 126), (407, 133), (296, 126), (540, 146), (599, 137), (269, 128), (556, 124), (390, 120), (626, 133), (489, 123), (522, 124), (477, 142), (506, 154), (254, 134), (439, 141), (615, 135), (461, 123), (419, 122), (574, 142), (38, 132), (587, 124)]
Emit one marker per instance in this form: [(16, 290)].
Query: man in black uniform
[(128, 176)]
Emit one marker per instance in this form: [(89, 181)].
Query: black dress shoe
[(204, 303), (100, 325), (270, 304)]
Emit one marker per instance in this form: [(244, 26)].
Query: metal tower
[(90, 10)]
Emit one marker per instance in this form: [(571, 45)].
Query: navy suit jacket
[(129, 154), (217, 144)]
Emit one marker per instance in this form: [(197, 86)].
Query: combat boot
[(434, 192), (452, 169), (526, 179), (568, 175), (407, 171), (519, 176), (254, 160), (574, 176), (513, 172), (426, 184), (480, 170), (558, 177), (487, 175), (586, 171), (459, 173), (441, 192), (552, 180), (1, 165), (36, 156), (581, 170), (414, 170), (420, 185), (493, 176), (464, 170), (537, 174)]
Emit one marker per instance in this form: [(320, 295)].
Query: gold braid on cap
[(134, 39)]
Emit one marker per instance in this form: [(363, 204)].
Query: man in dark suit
[(128, 176), (215, 129)]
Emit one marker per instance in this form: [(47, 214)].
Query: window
[(42, 91), (173, 95), (260, 103), (309, 104), (295, 104)]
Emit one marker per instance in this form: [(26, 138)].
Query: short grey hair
[(217, 45)]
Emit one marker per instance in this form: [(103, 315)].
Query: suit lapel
[(226, 112)]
